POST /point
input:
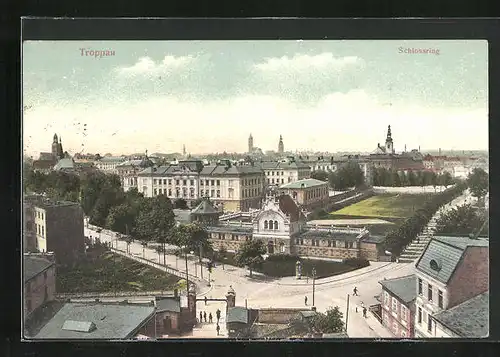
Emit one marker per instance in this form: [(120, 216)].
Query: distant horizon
[(334, 96)]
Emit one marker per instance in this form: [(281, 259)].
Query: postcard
[(279, 189)]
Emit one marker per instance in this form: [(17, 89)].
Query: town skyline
[(123, 103)]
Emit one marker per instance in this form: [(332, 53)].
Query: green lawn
[(390, 206), (103, 271)]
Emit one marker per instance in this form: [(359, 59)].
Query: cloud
[(354, 120), (300, 63), (147, 66)]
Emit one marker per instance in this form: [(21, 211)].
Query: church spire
[(281, 147), (389, 145)]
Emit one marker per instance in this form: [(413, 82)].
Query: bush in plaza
[(397, 239), (356, 262), (282, 258)]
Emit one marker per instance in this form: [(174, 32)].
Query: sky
[(210, 95)]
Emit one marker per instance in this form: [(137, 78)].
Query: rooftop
[(224, 169), (168, 304), (205, 207), (470, 318), (237, 314), (33, 266), (111, 321), (404, 288), (443, 254), (327, 234), (65, 163), (230, 228), (304, 184), (287, 165)]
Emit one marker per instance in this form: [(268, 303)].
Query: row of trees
[(399, 238), (462, 220), (107, 205), (346, 176), (393, 178)]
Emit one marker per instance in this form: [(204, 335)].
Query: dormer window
[(435, 265)]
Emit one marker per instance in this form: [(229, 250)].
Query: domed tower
[(281, 147), (389, 145)]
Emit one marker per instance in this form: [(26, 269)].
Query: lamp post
[(314, 282), (187, 273)]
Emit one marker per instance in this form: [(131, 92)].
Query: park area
[(283, 265), (387, 206), (102, 271)]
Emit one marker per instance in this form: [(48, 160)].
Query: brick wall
[(393, 320), (471, 277), (326, 252), (148, 329), (277, 316), (34, 290), (162, 328), (368, 251)]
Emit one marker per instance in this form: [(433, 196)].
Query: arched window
[(276, 225), (265, 224), (270, 224)]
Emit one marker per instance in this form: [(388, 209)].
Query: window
[(265, 225), (395, 327), (170, 192), (270, 224), (429, 292), (206, 182), (169, 182), (276, 225), (218, 193), (329, 243), (212, 182), (191, 192), (419, 315), (184, 182), (346, 245), (282, 181), (394, 305), (233, 237), (403, 333), (403, 313), (177, 182), (429, 323), (440, 299), (386, 298), (43, 231), (41, 213), (212, 193), (297, 241), (302, 242), (155, 191), (351, 245), (164, 181), (201, 182), (419, 286), (218, 182), (155, 182)]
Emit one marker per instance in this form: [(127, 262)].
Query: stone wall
[(326, 252), (277, 315), (369, 251)]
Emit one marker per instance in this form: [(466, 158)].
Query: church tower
[(281, 147), (250, 143), (57, 152), (389, 145)]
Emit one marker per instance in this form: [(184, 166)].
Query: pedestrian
[(218, 329), (210, 317), (364, 312), (305, 300), (355, 291), (205, 316), (205, 300), (217, 314), (201, 317)]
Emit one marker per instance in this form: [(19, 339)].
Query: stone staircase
[(416, 248)]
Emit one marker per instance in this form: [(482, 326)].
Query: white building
[(235, 187), (285, 171), (108, 164), (451, 271)]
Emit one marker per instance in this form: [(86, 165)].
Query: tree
[(121, 218), (478, 183), (193, 237), (412, 178), (462, 220), (329, 322), (396, 180), (250, 254), (181, 203), (320, 175), (155, 221), (221, 255), (445, 179)]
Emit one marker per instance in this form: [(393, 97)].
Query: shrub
[(356, 262), (282, 258)]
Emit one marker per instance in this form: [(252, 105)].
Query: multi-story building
[(451, 271), (281, 225), (58, 228), (309, 193), (285, 171), (39, 276), (234, 187), (128, 171), (179, 180), (29, 228), (398, 305), (108, 164)]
